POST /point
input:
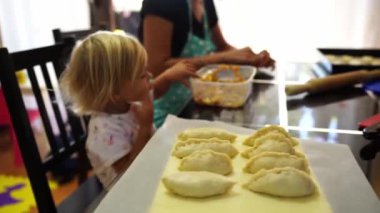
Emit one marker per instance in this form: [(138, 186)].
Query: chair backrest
[(60, 35), (71, 134)]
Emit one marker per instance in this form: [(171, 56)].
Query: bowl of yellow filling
[(223, 85)]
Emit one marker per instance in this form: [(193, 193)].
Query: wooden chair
[(71, 136), (60, 35)]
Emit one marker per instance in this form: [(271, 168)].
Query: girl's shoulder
[(105, 121)]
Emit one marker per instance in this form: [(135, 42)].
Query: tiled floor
[(8, 167)]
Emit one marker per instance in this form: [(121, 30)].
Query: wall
[(27, 24), (288, 28)]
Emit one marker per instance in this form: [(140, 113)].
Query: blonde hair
[(99, 66)]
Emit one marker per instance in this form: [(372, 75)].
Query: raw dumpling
[(197, 184), (185, 148), (206, 133), (277, 130), (270, 160), (283, 182), (207, 160), (269, 143)]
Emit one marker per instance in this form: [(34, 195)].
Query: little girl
[(107, 79)]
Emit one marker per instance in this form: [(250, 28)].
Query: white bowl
[(223, 94)]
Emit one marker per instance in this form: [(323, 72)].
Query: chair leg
[(84, 165), (18, 161)]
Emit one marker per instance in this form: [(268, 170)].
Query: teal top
[(176, 98)]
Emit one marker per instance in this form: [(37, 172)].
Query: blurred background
[(290, 29)]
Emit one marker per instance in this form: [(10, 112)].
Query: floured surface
[(238, 199)]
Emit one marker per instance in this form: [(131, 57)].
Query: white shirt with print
[(109, 139)]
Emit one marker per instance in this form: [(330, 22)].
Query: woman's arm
[(244, 56), (157, 41), (218, 39)]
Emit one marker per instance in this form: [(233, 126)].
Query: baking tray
[(331, 68)]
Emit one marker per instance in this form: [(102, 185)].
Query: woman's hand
[(263, 59), (247, 56), (181, 72)]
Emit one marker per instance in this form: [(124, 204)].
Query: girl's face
[(138, 89)]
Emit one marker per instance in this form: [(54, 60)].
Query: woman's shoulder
[(164, 3), (167, 9), (209, 4)]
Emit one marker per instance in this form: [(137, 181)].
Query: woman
[(187, 29)]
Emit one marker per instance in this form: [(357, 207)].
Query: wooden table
[(340, 177), (329, 118)]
